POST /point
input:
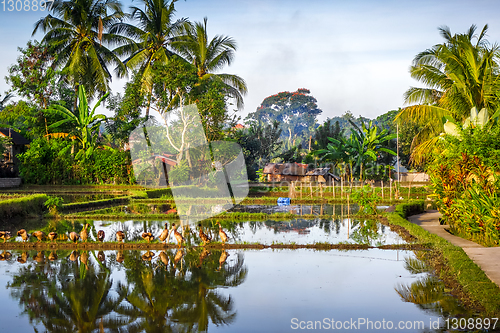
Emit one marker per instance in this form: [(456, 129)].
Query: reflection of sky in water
[(298, 231), (311, 285), (280, 285)]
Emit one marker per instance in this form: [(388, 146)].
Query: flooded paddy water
[(191, 290), (228, 290)]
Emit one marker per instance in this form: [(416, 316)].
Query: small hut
[(278, 172), (10, 163)]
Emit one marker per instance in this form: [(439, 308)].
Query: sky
[(352, 55)]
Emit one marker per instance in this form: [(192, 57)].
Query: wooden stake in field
[(321, 191), (348, 208), (333, 189), (311, 188), (390, 189), (341, 188), (382, 187)]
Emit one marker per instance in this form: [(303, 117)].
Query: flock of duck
[(120, 235)]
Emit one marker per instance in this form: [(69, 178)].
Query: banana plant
[(85, 121)]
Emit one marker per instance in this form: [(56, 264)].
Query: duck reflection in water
[(23, 258), (204, 253), (120, 257), (52, 256), (5, 255), (39, 257), (148, 256), (74, 255)]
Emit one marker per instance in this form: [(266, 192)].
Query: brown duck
[(24, 235), (222, 234), (39, 235), (165, 234), (147, 236), (84, 235), (5, 235), (177, 235), (100, 235), (204, 237), (52, 236), (73, 236), (120, 236)]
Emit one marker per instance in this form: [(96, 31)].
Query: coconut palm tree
[(460, 74), (151, 39), (209, 56), (77, 33)]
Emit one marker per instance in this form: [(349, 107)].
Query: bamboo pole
[(311, 189), (382, 187), (333, 189), (390, 189)]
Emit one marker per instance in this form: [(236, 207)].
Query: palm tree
[(459, 74), (150, 40), (77, 34), (209, 56), (86, 122)]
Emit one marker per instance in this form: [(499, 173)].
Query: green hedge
[(96, 203), (158, 193), (25, 206), (410, 208)]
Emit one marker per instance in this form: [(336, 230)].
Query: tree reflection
[(428, 292), (179, 296), (73, 291), (67, 296)]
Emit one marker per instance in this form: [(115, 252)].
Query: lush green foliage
[(465, 179), (362, 147), (51, 162), (54, 204), (366, 198)]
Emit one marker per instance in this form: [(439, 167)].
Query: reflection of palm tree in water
[(428, 293), (68, 297), (204, 303), (169, 300)]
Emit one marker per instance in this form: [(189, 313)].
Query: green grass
[(30, 205)]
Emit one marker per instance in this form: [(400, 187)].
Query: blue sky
[(352, 55)]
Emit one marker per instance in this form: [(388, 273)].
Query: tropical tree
[(209, 56), (460, 74), (295, 111), (363, 146), (77, 34), (151, 40), (85, 121)]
